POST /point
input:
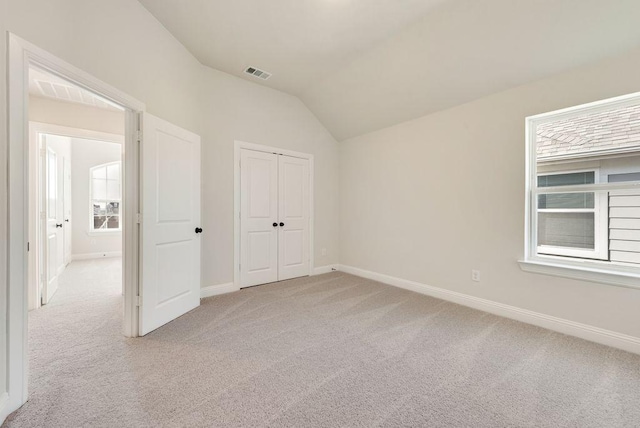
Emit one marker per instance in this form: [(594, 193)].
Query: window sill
[(621, 276), (105, 233)]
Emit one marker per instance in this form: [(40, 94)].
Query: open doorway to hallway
[(76, 213), (169, 227)]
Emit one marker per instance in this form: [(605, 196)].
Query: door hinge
[(138, 218), (139, 135), (138, 300)]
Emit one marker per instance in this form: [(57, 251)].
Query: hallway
[(66, 337)]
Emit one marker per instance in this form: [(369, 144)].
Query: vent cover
[(72, 94), (256, 72)]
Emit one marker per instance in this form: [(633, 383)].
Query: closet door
[(258, 218), (293, 224)]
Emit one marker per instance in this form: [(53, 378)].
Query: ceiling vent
[(256, 72)]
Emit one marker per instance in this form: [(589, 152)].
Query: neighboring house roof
[(590, 135)]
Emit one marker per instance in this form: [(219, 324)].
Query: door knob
[(275, 224), (59, 225), (281, 224), (198, 230), (66, 220)]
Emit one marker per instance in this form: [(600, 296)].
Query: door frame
[(35, 239), (22, 55), (238, 146)]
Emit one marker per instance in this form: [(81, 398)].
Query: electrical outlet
[(475, 275), (324, 251)]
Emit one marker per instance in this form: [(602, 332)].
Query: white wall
[(237, 110), (430, 199), (84, 155)]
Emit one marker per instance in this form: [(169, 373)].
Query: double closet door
[(274, 217)]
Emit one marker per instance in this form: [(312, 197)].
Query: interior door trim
[(238, 146)]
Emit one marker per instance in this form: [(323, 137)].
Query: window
[(583, 192), (105, 197), (571, 224)]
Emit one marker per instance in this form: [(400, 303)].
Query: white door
[(258, 218), (274, 217), (293, 230), (66, 171), (52, 226), (170, 160)]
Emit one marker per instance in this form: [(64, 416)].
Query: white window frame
[(92, 229), (600, 212), (561, 265)]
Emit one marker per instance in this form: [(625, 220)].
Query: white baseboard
[(214, 290), (89, 256), (324, 269), (571, 328)]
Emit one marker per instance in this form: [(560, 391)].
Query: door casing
[(238, 146)]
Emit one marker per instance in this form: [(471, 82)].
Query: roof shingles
[(593, 134)]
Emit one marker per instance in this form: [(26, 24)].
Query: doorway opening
[(76, 220), (76, 215), (157, 288), (60, 83)]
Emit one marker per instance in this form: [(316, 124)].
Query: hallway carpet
[(331, 350)]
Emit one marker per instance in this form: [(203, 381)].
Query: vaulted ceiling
[(362, 65)]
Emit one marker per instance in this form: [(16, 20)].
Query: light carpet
[(330, 350)]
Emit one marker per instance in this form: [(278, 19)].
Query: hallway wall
[(47, 110)]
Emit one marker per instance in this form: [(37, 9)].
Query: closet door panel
[(258, 214), (293, 230)]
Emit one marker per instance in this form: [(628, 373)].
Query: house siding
[(624, 226)]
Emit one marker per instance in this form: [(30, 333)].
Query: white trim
[(4, 409), (325, 269), (215, 290), (624, 276), (67, 131), (89, 256), (22, 55), (571, 328), (239, 145), (230, 287), (107, 232)]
